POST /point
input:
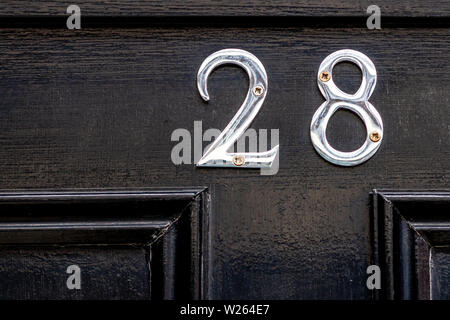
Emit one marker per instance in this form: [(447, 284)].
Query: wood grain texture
[(107, 273), (441, 273), (96, 109), (300, 8)]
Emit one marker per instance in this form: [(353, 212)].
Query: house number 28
[(217, 154)]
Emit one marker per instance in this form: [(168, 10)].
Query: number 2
[(217, 154)]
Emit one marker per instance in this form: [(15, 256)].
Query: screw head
[(238, 160), (258, 90), (325, 76), (375, 136)]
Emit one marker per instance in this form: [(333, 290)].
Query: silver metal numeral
[(357, 103), (217, 154)]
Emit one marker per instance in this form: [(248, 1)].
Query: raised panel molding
[(157, 238), (411, 244)]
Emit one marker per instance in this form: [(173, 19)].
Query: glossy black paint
[(411, 241), (128, 244), (95, 108)]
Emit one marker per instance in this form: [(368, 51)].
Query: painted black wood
[(411, 241), (95, 108), (201, 8), (128, 244)]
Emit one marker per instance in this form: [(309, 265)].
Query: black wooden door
[(94, 207)]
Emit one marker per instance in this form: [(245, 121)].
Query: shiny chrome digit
[(357, 103), (217, 154)]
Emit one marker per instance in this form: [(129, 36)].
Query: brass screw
[(258, 90), (238, 160), (324, 76), (375, 136)]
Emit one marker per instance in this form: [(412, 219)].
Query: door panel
[(125, 244), (440, 258), (411, 241), (119, 272)]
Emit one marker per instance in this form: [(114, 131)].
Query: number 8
[(357, 103)]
